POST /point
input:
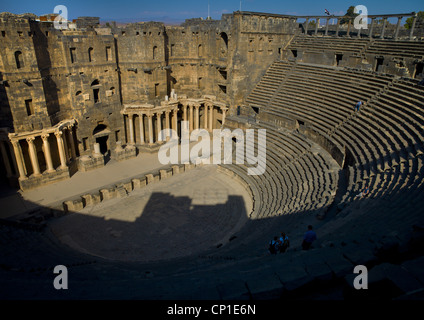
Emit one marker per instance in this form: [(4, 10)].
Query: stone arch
[(19, 59)]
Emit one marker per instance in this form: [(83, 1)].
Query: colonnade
[(170, 116), (191, 113), (199, 115), (65, 147), (370, 26)]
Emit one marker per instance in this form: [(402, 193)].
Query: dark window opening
[(339, 57), (300, 122), (294, 52), (96, 95), (155, 52), (73, 55), (256, 109), (19, 59), (156, 89), (117, 135), (223, 74), (90, 54), (379, 63), (223, 88), (224, 37), (108, 54), (85, 144), (29, 107), (419, 69), (3, 33)]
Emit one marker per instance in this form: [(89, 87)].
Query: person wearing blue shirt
[(358, 105), (309, 237)]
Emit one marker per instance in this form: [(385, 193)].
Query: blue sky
[(143, 10)]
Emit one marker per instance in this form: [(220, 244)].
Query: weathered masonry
[(72, 99)]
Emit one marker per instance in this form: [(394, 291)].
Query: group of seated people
[(279, 244), (282, 243)]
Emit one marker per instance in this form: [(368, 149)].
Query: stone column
[(65, 145), (306, 25), (348, 28), (19, 159), (131, 127), (383, 28), (411, 33), (141, 124), (175, 122), (211, 117), (167, 127), (326, 26), (33, 156), (317, 21), (184, 113), (47, 153), (371, 28), (338, 27), (359, 30), (397, 28), (149, 117), (191, 118), (159, 126), (6, 159), (205, 114), (61, 149), (224, 110), (71, 138), (196, 116)]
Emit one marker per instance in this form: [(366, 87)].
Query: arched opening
[(223, 45), (200, 50), (19, 59), (95, 85), (224, 37), (90, 54), (155, 52)]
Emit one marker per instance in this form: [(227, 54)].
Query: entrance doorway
[(102, 141), (379, 63), (101, 135)]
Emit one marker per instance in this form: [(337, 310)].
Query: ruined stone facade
[(70, 99)]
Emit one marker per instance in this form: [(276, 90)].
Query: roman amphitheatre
[(86, 108)]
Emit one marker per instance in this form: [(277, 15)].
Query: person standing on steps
[(358, 105), (309, 237)]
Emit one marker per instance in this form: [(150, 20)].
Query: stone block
[(163, 174), (136, 183), (128, 186), (150, 178), (73, 205), (175, 170), (90, 199), (107, 193)]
